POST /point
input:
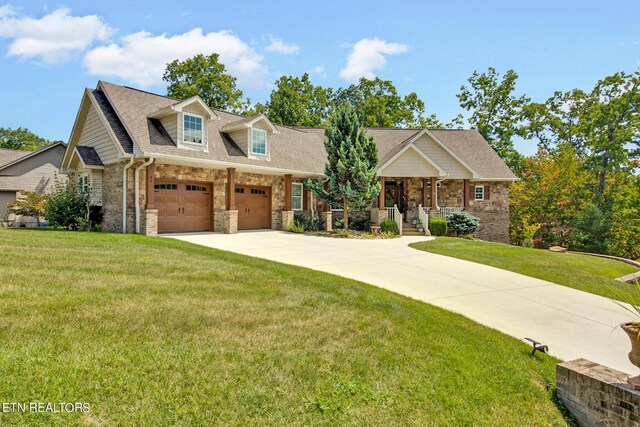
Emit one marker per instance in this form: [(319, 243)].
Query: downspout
[(124, 193), (136, 175), (438, 181)]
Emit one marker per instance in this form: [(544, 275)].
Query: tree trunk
[(345, 211)]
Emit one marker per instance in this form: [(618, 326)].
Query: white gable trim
[(178, 108), (441, 172), (445, 148), (83, 112), (249, 124)]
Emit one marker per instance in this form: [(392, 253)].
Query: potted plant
[(630, 301), (419, 226)]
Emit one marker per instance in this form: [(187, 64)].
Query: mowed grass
[(155, 332), (583, 272)]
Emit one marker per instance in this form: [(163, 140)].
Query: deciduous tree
[(206, 77), (21, 139), (495, 110)]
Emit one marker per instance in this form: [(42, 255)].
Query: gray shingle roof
[(10, 183), (89, 156), (7, 156), (295, 149), (115, 123)]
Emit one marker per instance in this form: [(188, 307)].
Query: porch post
[(287, 192), (424, 191), (381, 196), (231, 189), (150, 200), (465, 191), (434, 193), (325, 205)]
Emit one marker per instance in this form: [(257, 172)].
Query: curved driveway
[(572, 323)]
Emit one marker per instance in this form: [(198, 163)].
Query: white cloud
[(141, 57), (318, 70), (52, 38), (279, 46), (368, 55)]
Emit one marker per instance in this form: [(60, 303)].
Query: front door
[(254, 207), (394, 194)]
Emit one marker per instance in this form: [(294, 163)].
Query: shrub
[(438, 227), (310, 222), (359, 224), (296, 227), (339, 223), (68, 207), (389, 226), (462, 223), (30, 204)]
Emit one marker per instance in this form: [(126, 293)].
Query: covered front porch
[(408, 200)]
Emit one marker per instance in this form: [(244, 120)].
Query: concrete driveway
[(572, 323)]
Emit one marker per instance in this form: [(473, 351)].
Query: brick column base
[(230, 219), (327, 217), (149, 224), (378, 215), (287, 219)]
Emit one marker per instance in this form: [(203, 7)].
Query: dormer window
[(258, 142), (192, 128)]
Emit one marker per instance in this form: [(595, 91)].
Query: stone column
[(287, 219), (378, 215), (149, 219), (327, 217), (230, 221)]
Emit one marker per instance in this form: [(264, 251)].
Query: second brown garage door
[(254, 207), (183, 207)]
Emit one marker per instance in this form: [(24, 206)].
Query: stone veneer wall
[(219, 179), (112, 198), (493, 213), (597, 395)]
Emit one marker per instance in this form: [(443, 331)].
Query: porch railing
[(423, 216), (394, 214), (444, 211)]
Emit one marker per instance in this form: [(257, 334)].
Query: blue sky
[(50, 51)]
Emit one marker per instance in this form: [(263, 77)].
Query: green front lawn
[(153, 331), (587, 273)]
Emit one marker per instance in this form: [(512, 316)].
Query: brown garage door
[(254, 207), (182, 206)]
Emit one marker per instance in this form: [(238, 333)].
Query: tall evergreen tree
[(351, 165)]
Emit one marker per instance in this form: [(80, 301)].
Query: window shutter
[(472, 192), (487, 195), (305, 199)]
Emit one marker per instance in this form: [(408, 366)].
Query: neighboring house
[(29, 171), (186, 167)]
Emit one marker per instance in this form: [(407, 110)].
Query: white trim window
[(259, 142), (192, 128), (84, 183), (479, 192), (296, 196)]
